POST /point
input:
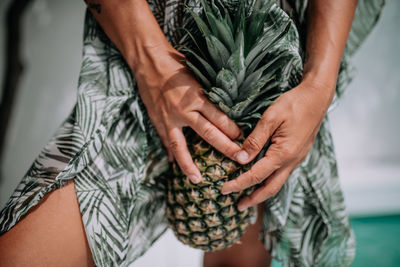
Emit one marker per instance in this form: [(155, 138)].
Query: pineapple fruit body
[(199, 214), (244, 59)]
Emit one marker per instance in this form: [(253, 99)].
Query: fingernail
[(194, 178), (241, 156), (225, 192)]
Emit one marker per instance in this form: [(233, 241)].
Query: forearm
[(329, 23), (131, 26)]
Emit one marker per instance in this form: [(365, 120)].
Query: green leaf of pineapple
[(218, 52), (224, 108), (211, 8), (240, 18), (225, 33), (257, 20), (207, 67), (215, 98), (236, 61), (269, 39), (228, 21), (200, 23), (199, 75), (226, 99), (238, 108), (227, 81), (247, 86)]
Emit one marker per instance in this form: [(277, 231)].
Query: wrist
[(321, 86), (156, 64), (321, 77), (141, 53), (321, 69), (328, 82)]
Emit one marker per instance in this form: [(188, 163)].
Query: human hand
[(292, 123), (173, 100)]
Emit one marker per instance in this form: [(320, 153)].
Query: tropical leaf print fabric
[(110, 148)]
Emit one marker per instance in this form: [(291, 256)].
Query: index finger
[(220, 120), (270, 188), (258, 137), (257, 174), (177, 144), (212, 135)]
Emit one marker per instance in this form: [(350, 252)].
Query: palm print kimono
[(111, 150)]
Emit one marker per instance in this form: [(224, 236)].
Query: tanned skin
[(174, 100)]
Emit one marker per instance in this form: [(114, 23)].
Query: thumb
[(257, 139)]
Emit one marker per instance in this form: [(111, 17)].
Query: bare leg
[(250, 253), (50, 234)]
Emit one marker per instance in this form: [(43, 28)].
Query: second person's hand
[(173, 100)]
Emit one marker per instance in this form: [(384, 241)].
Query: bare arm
[(131, 26), (329, 24), (172, 97), (293, 121)]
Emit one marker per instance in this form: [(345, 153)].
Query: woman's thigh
[(50, 234)]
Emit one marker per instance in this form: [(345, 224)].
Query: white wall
[(365, 125), (52, 42)]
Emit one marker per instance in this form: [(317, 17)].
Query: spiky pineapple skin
[(199, 214)]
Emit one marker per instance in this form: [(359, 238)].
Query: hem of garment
[(57, 184)]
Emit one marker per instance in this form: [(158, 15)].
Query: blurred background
[(365, 125)]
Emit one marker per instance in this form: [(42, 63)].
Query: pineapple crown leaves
[(243, 61)]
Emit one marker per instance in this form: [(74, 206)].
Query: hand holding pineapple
[(174, 99), (291, 124), (293, 121)]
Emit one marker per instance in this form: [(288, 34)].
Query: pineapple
[(243, 62)]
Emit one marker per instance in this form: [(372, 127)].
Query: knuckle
[(288, 152), (185, 168), (200, 101), (270, 115), (253, 200), (234, 185), (223, 122), (272, 190), (255, 177), (279, 164), (179, 109), (275, 155), (199, 94), (209, 132), (174, 145), (252, 143), (172, 104), (282, 158)]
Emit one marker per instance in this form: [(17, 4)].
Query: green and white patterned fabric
[(111, 150)]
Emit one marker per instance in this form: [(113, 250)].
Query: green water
[(378, 241)]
